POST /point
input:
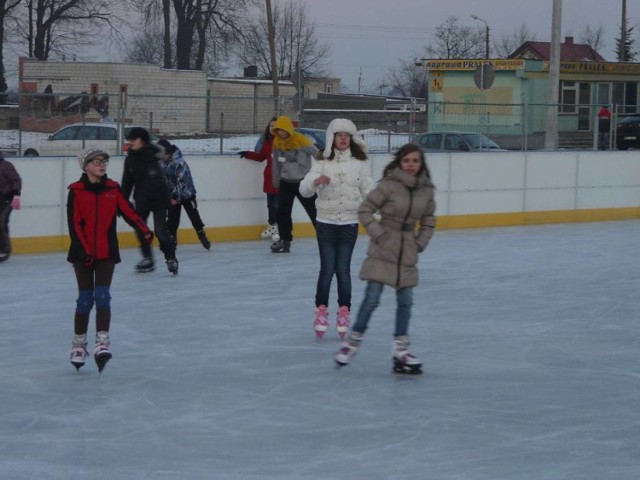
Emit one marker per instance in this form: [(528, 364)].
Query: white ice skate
[(78, 351), (403, 360), (101, 353), (348, 350), (321, 321), (269, 232), (343, 321)]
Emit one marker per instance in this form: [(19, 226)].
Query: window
[(431, 141), (88, 133), (328, 87), (452, 142), (108, 133), (68, 133), (568, 97)]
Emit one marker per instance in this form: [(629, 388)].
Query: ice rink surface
[(529, 338)]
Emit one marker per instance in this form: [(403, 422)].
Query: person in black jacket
[(93, 204), (10, 186), (143, 175)]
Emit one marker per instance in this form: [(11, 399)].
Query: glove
[(15, 202), (243, 153), (148, 237), (88, 261)]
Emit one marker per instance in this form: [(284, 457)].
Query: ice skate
[(269, 232), (349, 349), (403, 360), (145, 265), (321, 321), (101, 353), (343, 321), (172, 266), (281, 246), (202, 236), (78, 351)]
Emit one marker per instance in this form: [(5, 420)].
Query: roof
[(569, 51)]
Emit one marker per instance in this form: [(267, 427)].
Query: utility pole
[(360, 80), (274, 66), (551, 138), (622, 51)]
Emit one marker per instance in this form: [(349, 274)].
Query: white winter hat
[(338, 125), (86, 156)]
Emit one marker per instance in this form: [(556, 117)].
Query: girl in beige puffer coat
[(404, 199)]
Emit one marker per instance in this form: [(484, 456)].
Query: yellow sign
[(472, 64), (436, 81), (596, 67)]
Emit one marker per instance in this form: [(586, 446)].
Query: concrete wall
[(473, 190)]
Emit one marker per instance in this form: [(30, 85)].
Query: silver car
[(457, 142)]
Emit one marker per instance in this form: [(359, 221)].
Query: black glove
[(243, 153)]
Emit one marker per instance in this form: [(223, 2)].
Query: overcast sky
[(371, 35)]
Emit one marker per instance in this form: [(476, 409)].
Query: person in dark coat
[(10, 186), (143, 175), (93, 204), (404, 200)]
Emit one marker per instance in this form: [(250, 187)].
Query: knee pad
[(84, 303), (103, 297)]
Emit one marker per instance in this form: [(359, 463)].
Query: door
[(584, 107)]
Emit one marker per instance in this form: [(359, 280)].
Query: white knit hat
[(85, 157), (339, 125)]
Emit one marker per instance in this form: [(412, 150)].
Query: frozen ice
[(529, 338)]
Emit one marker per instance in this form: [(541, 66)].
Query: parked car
[(457, 142), (73, 138), (628, 133), (316, 135)]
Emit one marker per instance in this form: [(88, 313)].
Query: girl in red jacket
[(93, 204), (272, 192)]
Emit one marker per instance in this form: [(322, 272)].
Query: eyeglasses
[(100, 161)]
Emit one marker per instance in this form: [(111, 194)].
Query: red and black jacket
[(92, 210), (261, 156)]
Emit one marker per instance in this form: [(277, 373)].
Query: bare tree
[(452, 40), (145, 47), (406, 79), (509, 43), (5, 8), (594, 37), (59, 26), (297, 45)]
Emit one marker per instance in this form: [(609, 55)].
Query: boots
[(145, 265), (270, 232), (321, 321), (348, 349), (343, 321), (403, 360), (101, 353), (78, 350)]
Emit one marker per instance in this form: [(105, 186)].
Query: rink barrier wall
[(473, 190)]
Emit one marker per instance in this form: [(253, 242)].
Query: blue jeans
[(371, 300), (335, 243)]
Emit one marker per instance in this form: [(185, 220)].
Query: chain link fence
[(60, 124)]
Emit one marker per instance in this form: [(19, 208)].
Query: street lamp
[(486, 35)]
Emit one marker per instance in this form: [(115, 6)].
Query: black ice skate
[(172, 266), (145, 265), (281, 246), (202, 236)]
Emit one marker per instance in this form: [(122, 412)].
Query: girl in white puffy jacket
[(342, 180)]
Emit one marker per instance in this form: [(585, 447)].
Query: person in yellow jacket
[(292, 155)]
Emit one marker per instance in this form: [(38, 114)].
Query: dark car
[(316, 135), (628, 133), (457, 142)]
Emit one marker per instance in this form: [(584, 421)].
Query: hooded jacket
[(402, 201), (291, 156), (92, 209), (178, 176)]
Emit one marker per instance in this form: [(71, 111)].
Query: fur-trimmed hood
[(338, 125)]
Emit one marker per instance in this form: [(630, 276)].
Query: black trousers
[(5, 241), (288, 192), (173, 217), (167, 245)]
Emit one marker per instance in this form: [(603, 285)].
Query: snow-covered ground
[(14, 141)]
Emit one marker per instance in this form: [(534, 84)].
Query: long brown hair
[(402, 152), (356, 151), (267, 132)]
